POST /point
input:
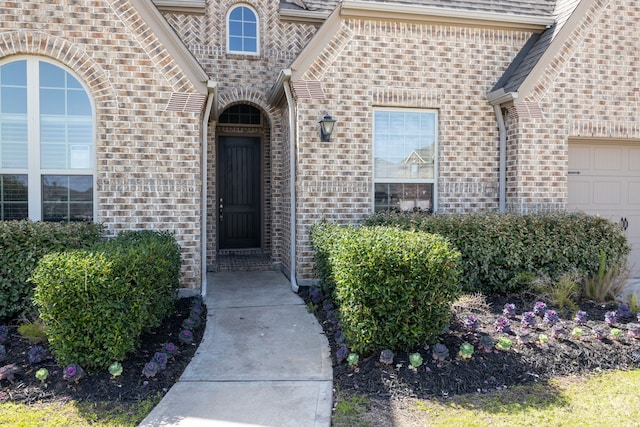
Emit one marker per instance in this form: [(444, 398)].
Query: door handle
[(625, 223), (221, 209)]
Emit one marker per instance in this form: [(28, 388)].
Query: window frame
[(34, 170), (433, 181), (228, 30)]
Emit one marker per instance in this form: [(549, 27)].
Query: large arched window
[(242, 30), (47, 143)]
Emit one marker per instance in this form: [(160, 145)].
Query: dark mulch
[(495, 370), (131, 386)]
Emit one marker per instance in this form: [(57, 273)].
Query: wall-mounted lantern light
[(326, 128)]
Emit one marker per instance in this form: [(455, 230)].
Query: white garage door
[(604, 179)]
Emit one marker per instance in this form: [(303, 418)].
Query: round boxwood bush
[(393, 287)]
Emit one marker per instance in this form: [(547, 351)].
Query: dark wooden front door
[(239, 177)]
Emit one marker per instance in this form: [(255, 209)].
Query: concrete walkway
[(263, 360)]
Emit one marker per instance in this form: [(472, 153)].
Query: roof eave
[(404, 12), (500, 97), (277, 94), (299, 15), (182, 6)]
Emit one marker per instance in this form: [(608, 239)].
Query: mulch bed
[(130, 386), (494, 370)]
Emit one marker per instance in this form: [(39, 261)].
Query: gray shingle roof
[(524, 63), (531, 54), (517, 7)]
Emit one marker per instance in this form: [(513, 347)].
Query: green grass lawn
[(610, 399), (73, 414)]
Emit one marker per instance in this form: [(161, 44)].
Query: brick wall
[(370, 64), (590, 90), (147, 158)]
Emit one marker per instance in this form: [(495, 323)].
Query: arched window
[(242, 30), (47, 143)]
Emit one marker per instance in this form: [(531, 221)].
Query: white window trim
[(436, 149), (34, 172), (255, 12)]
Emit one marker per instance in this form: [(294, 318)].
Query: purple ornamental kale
[(73, 373), (440, 352), (600, 332), (550, 317), (611, 317), (525, 336), (581, 317), (150, 369), (528, 319), (36, 354), (539, 308), (386, 357), (509, 310), (634, 331), (191, 323), (486, 343), (470, 323), (339, 337), (316, 295), (161, 359), (169, 349), (196, 311), (502, 324), (624, 311), (185, 336), (8, 371), (328, 305), (342, 353), (557, 330)]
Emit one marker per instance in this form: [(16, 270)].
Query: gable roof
[(173, 44), (531, 54)]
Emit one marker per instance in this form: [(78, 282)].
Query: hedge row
[(500, 250), (22, 244), (392, 287), (96, 303)]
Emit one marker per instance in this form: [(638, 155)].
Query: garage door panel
[(604, 179), (580, 159), (607, 193), (607, 159), (634, 193), (634, 160), (579, 193)]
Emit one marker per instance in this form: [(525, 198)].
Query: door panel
[(604, 179), (239, 179)]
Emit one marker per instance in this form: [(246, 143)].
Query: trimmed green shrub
[(502, 252), (393, 287), (22, 244), (324, 236), (96, 304)]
